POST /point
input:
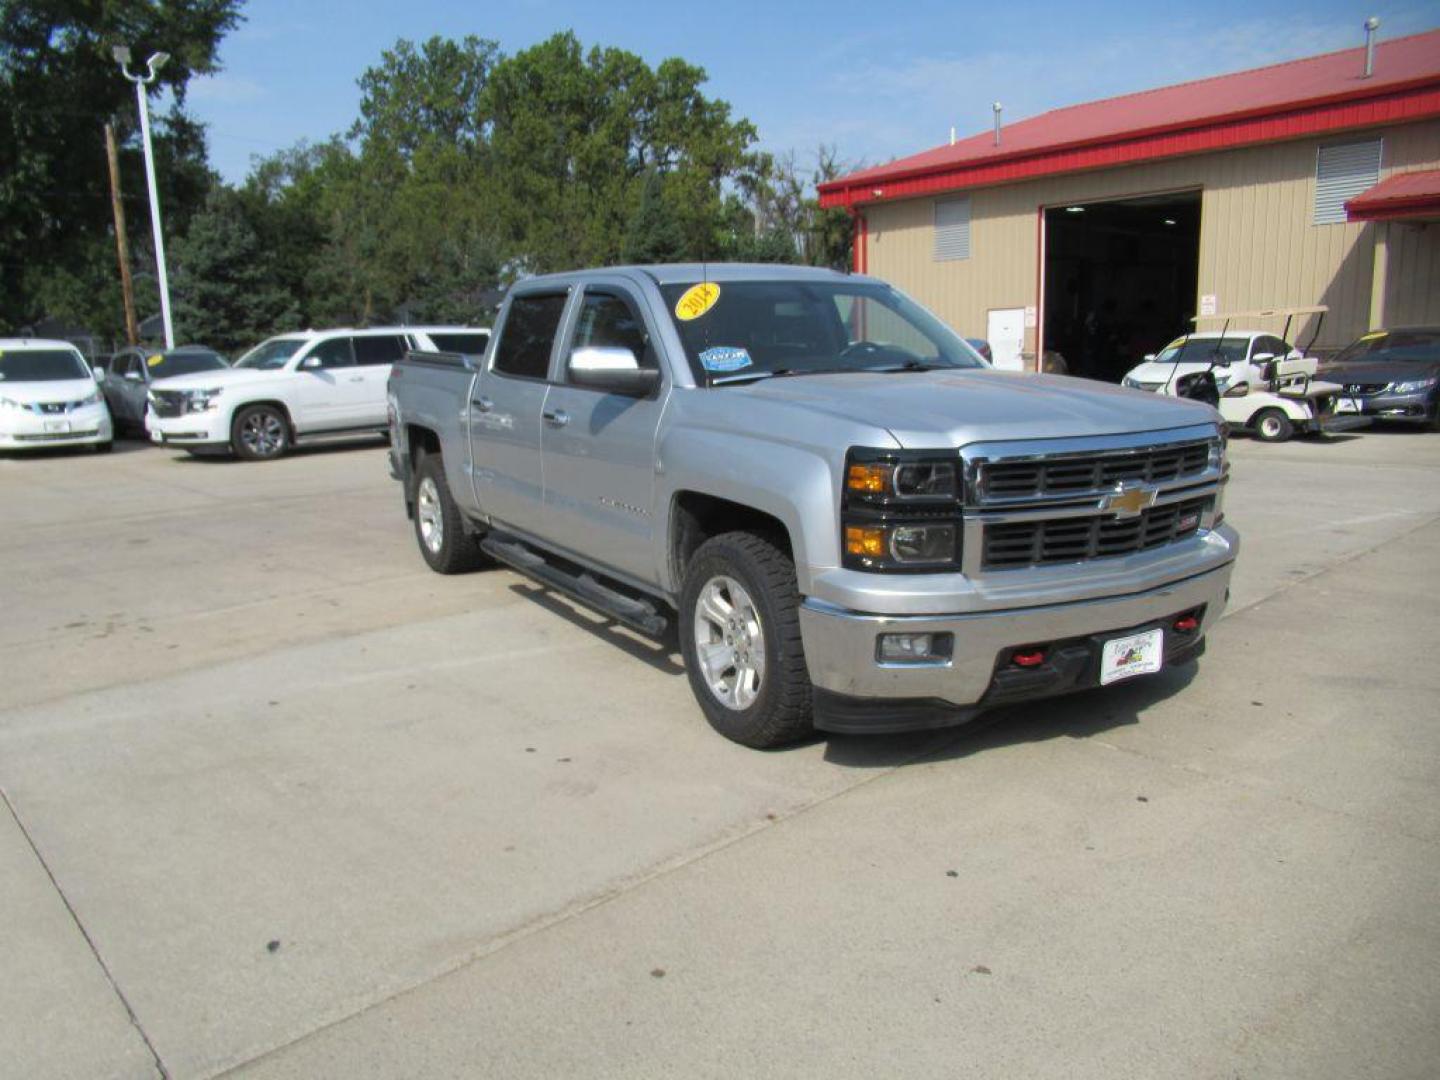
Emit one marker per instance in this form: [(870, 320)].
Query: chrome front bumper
[(840, 645)]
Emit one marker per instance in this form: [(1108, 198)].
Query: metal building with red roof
[(1098, 230)]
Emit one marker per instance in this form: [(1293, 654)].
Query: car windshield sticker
[(698, 299), (1374, 334), (725, 358), (156, 360)]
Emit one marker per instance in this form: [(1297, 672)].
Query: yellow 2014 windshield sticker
[(1374, 334), (698, 299), (156, 360)]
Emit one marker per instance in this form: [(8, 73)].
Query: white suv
[(49, 397), (318, 384)]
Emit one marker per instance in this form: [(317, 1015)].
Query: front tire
[(260, 433), (104, 447), (740, 634), (1272, 425), (445, 545)]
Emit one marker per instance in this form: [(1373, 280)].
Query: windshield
[(1203, 351), (270, 355), (42, 365), (471, 344), (190, 362), (1418, 346), (754, 329)]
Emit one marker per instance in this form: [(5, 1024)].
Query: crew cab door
[(125, 387), (599, 447), (504, 409), (375, 354)]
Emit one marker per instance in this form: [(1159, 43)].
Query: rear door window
[(334, 353), (528, 335), (379, 349), (469, 344)]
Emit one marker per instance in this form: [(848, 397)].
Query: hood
[(952, 408), (1153, 372), (203, 380), (52, 390), (1378, 371)]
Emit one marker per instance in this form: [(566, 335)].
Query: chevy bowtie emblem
[(1128, 502)]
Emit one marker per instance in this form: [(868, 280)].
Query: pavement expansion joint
[(89, 941)]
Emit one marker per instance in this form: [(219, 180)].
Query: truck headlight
[(200, 400), (1133, 384), (93, 398), (900, 511), (11, 403)]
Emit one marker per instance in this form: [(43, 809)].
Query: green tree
[(225, 290), (58, 85)]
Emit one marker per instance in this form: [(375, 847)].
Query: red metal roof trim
[(1305, 97), (1403, 195)]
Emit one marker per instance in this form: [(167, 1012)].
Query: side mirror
[(310, 363), (1149, 356), (1260, 358), (613, 369), (134, 376)]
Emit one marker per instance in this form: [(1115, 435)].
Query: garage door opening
[(1120, 279)]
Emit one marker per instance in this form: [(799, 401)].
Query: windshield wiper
[(912, 365), (780, 373)]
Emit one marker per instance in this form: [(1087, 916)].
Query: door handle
[(557, 418), (482, 404), (357, 378)]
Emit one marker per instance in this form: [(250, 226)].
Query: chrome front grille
[(167, 403), (1051, 502), (1068, 539), (1078, 474)]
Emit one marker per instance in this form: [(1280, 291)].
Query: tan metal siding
[(1258, 247)]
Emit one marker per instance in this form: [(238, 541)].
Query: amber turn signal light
[(867, 541), (869, 479)]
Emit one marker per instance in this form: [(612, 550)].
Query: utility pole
[(122, 245), (142, 83)]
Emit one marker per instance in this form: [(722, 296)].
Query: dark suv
[(1392, 374)]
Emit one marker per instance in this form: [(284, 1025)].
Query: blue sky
[(878, 80)]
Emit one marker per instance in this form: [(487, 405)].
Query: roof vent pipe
[(997, 107), (1371, 25), (952, 134)]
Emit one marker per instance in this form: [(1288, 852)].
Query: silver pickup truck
[(858, 524)]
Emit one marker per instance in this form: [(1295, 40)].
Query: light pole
[(153, 65)]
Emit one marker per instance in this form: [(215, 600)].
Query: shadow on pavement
[(1072, 716)]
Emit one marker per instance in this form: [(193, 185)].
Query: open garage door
[(1120, 279)]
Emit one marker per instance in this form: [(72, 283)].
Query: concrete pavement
[(319, 812)]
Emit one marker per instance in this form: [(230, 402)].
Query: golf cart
[(1257, 380)]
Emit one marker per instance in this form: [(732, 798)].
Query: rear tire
[(260, 433), (445, 544), (1272, 425), (740, 634)]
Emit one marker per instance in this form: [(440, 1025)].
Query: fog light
[(914, 648)]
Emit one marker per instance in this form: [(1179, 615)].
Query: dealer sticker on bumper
[(1138, 654)]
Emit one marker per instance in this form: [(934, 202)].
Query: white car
[(294, 388), (49, 397), (1238, 356)]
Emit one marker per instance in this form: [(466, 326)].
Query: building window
[(1342, 172), (952, 229)]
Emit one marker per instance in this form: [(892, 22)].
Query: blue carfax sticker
[(725, 358)]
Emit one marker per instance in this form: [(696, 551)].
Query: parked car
[(854, 522), (1392, 375), (294, 388), (981, 346), (49, 397), (127, 376)]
